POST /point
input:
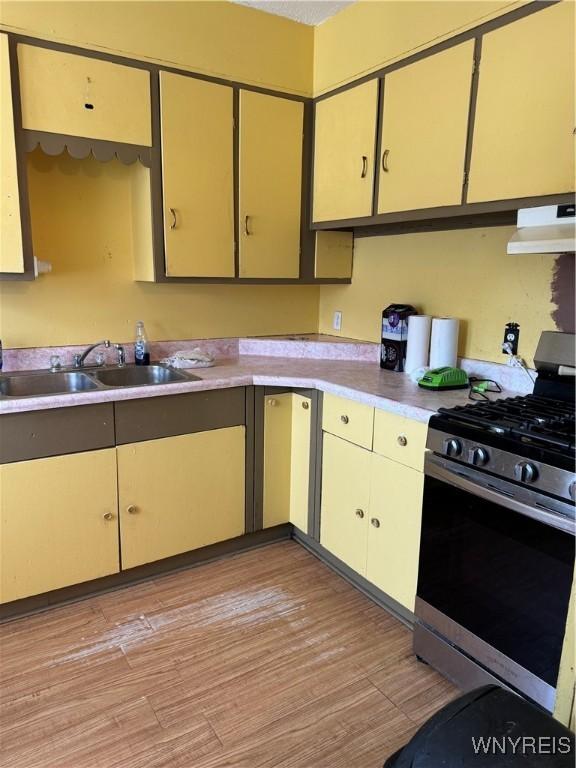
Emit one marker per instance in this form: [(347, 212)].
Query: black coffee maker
[(395, 335)]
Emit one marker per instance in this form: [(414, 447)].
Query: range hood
[(548, 229)]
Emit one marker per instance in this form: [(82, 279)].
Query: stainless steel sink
[(139, 376), (38, 384)]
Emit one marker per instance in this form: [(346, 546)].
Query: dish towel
[(189, 358)]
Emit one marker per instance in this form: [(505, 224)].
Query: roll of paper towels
[(418, 346), (444, 342)]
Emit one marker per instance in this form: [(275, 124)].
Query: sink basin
[(139, 376), (38, 384)]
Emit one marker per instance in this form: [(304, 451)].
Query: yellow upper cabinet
[(344, 143), (11, 249), (424, 126), (82, 96), (271, 134), (523, 142), (197, 173)]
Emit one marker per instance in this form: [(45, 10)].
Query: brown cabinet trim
[(55, 432), (447, 212), (153, 418), (471, 115), (80, 148)]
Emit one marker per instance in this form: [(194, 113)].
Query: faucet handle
[(77, 360), (121, 355)]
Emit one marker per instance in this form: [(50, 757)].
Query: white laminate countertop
[(364, 382)]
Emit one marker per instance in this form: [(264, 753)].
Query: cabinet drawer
[(399, 438), (348, 419), (82, 96)]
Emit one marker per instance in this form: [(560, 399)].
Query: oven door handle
[(551, 518)]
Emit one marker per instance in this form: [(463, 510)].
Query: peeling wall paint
[(563, 293)]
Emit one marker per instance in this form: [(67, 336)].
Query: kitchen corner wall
[(81, 211), (82, 224), (462, 273)]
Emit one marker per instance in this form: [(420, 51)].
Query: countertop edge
[(22, 405)]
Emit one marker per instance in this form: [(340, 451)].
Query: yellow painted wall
[(214, 37), (462, 273), (373, 33), (81, 212)]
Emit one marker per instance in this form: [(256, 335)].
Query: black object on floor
[(489, 727)]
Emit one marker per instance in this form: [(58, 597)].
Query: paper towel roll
[(444, 342), (418, 342)]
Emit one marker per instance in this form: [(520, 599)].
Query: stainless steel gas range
[(498, 534)]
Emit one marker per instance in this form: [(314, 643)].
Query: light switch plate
[(337, 321)]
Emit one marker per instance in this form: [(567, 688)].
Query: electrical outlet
[(511, 335), (337, 321)]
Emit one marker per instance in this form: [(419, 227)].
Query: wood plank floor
[(266, 658)]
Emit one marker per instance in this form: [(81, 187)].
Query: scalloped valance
[(80, 148)]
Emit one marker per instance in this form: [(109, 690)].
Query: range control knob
[(478, 456), (452, 447), (525, 472)]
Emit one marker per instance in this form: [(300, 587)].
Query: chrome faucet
[(80, 357)]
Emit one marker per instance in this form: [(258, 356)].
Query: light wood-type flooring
[(266, 658)]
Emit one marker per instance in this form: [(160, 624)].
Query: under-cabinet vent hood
[(548, 229)]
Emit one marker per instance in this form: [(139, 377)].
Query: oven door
[(495, 574)]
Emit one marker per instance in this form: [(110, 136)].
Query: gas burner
[(530, 420)]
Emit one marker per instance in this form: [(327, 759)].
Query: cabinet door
[(83, 96), (345, 501), (300, 463), (11, 250), (277, 459), (394, 531), (344, 143), (287, 424), (197, 174), (58, 522), (424, 129), (271, 133), (523, 141), (180, 493)]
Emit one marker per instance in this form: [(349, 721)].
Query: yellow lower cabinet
[(180, 493), (287, 420), (345, 501), (394, 530), (58, 522)]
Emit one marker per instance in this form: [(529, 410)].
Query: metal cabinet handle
[(402, 440), (273, 403), (305, 405), (174, 221), (131, 509), (364, 167), (375, 522), (344, 419), (247, 231), (108, 516), (360, 513), (385, 161)]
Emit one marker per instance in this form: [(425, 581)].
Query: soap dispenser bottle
[(141, 349)]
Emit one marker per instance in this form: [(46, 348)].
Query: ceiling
[(310, 12)]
